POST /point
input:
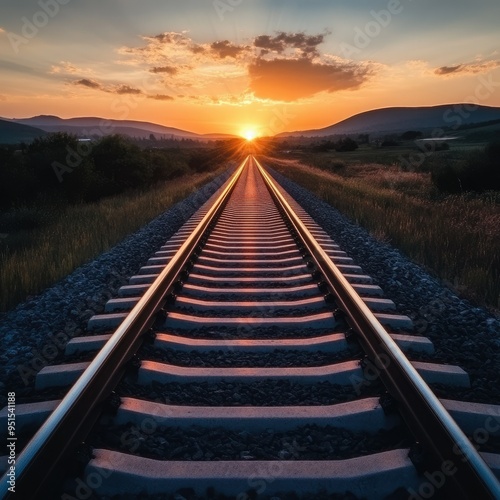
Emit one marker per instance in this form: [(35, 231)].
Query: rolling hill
[(13, 133), (400, 119), (90, 126)]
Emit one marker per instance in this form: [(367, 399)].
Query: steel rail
[(467, 475), (42, 459)]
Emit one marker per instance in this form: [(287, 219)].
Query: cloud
[(115, 89), (467, 68), (197, 49), (227, 49), (64, 67), (165, 37), (446, 70), (282, 67), (85, 82), (160, 97), (3, 98), (169, 70), (125, 89), (293, 79), (306, 44), (2, 30)]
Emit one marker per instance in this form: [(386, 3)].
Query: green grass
[(456, 237), (45, 243)]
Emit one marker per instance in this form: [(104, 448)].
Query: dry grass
[(456, 237), (55, 241)]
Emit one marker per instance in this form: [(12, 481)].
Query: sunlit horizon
[(271, 67), (249, 134)]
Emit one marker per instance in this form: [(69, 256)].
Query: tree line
[(61, 167)]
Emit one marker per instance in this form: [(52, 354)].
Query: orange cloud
[(281, 67), (293, 79), (64, 67)]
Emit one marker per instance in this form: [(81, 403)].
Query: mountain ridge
[(14, 133), (374, 122), (402, 118), (83, 126)]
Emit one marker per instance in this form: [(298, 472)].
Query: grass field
[(455, 237), (44, 243)]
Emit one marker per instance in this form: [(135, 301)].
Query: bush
[(480, 171), (202, 161), (410, 135), (18, 182), (346, 144), (59, 168), (389, 143), (120, 164)]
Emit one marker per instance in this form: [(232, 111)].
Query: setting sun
[(249, 134)]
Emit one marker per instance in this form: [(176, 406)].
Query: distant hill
[(396, 120), (89, 126), (13, 133)]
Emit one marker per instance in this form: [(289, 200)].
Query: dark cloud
[(197, 49), (125, 89), (166, 42), (446, 70), (471, 68), (225, 49), (169, 70), (160, 97), (165, 37), (85, 82), (293, 79), (117, 89), (308, 45)]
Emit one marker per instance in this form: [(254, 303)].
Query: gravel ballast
[(309, 442), (463, 334), (220, 359), (261, 393), (36, 331)]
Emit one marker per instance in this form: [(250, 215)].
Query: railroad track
[(251, 357)]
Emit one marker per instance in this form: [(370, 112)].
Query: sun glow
[(249, 134)]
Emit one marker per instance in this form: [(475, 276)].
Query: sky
[(244, 66)]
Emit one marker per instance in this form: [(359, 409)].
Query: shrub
[(480, 171), (411, 135), (346, 144), (389, 143), (121, 164)]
